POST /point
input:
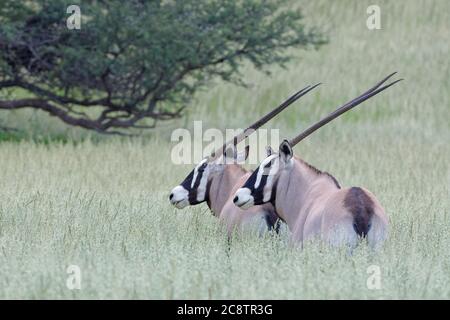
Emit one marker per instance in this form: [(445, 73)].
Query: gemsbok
[(311, 202), (217, 177)]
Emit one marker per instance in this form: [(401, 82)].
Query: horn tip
[(389, 76)]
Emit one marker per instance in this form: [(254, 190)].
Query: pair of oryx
[(311, 202)]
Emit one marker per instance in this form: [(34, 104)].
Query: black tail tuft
[(360, 206)]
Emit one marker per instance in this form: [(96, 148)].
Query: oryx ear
[(269, 151), (242, 156), (286, 152)]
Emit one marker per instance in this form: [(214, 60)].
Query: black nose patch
[(171, 196), (235, 199)]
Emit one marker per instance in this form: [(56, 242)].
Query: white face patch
[(262, 171), (270, 172), (244, 199), (179, 197), (268, 188), (194, 178), (201, 189)]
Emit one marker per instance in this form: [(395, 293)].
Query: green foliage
[(10, 136), (133, 60)]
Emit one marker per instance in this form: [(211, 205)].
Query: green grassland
[(70, 198)]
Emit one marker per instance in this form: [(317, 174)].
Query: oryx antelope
[(215, 180), (311, 202)]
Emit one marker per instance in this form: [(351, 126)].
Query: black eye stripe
[(257, 193), (199, 178), (263, 183), (250, 183), (193, 190), (202, 167), (188, 181), (267, 167)]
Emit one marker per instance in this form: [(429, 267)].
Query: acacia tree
[(132, 61)]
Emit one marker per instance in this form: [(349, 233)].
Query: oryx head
[(260, 187), (194, 188)]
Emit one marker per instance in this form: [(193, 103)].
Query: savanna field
[(68, 197)]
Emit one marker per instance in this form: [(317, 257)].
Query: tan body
[(312, 205)]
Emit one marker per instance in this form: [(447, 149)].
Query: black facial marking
[(186, 184), (258, 193), (250, 183), (188, 181), (193, 191)]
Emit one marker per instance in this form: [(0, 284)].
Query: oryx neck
[(221, 187), (295, 187)]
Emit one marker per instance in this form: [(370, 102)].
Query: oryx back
[(347, 216)]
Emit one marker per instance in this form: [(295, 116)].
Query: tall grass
[(102, 205)]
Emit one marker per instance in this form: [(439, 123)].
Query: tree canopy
[(133, 63)]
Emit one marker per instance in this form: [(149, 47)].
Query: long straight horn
[(252, 128), (346, 107)]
